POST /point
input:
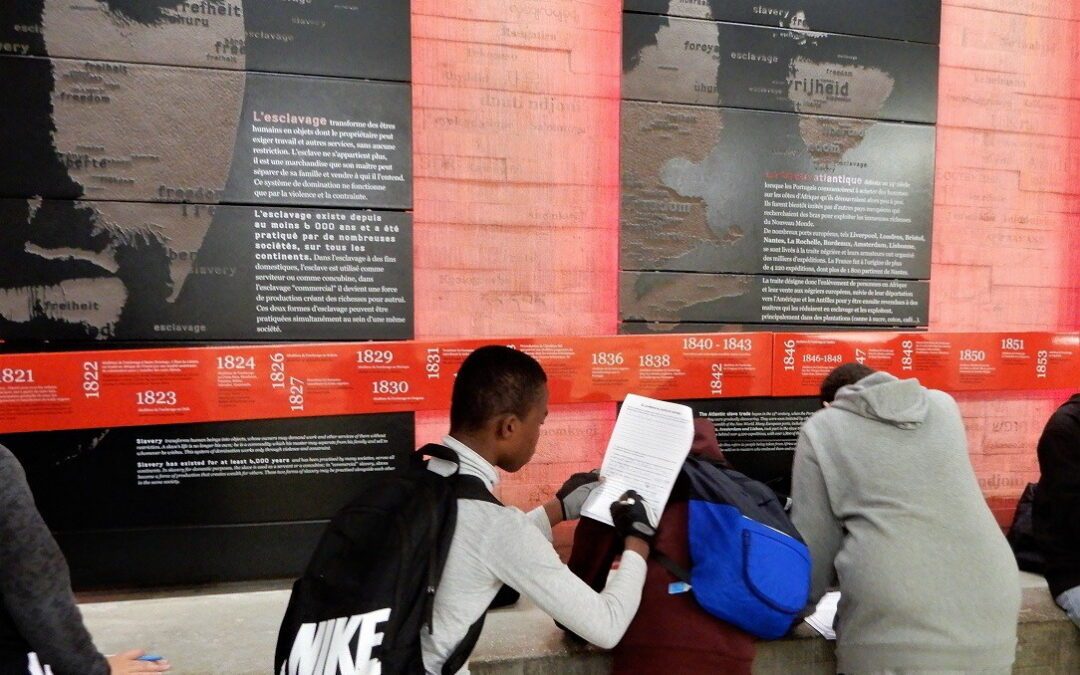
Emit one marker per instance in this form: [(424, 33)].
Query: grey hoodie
[(886, 498)]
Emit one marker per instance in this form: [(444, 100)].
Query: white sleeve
[(539, 518), (520, 557)]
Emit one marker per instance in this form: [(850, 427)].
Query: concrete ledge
[(233, 629)]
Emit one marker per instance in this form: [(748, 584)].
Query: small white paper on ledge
[(823, 617), (648, 446)]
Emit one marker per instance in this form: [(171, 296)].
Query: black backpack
[(1021, 535), (369, 588)]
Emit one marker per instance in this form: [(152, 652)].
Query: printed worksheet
[(824, 616), (646, 452)]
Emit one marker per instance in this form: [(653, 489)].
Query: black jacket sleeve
[(1056, 513), (35, 584)]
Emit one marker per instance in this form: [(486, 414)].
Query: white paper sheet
[(823, 617), (648, 445)]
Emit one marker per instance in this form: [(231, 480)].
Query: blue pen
[(149, 657)]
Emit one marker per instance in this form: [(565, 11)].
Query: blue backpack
[(749, 565)]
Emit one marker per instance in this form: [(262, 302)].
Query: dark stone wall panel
[(137, 271), (209, 473), (675, 327), (113, 131), (914, 20), (758, 435), (707, 63), (366, 39), (730, 298), (725, 190), (183, 556)]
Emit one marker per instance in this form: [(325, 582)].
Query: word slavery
[(327, 647)]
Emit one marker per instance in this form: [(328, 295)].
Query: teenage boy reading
[(499, 404)]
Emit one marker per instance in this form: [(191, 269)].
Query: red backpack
[(671, 633)]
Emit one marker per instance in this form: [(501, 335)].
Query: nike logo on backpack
[(324, 648)]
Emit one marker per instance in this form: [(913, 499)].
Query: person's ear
[(505, 426)]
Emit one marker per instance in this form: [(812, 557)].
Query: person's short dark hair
[(494, 380), (842, 376)]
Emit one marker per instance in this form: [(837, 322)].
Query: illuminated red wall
[(516, 137), (516, 192), (1007, 206)]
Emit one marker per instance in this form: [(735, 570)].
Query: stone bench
[(209, 631)]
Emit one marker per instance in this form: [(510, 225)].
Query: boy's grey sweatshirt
[(886, 498)]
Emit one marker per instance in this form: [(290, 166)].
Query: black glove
[(575, 491), (631, 518)]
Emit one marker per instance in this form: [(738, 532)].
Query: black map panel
[(708, 63), (727, 190), (366, 39), (914, 20)]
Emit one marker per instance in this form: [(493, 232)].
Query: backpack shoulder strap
[(467, 487), (670, 565), (471, 487), (440, 451), (457, 659)]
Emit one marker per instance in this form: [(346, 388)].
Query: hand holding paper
[(646, 452)]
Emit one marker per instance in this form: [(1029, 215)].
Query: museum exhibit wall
[(528, 146), (1005, 218), (775, 175), (199, 173)]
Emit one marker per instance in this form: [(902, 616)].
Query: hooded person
[(671, 633), (885, 496), (1056, 516)]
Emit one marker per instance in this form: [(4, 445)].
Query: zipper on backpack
[(429, 609)]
